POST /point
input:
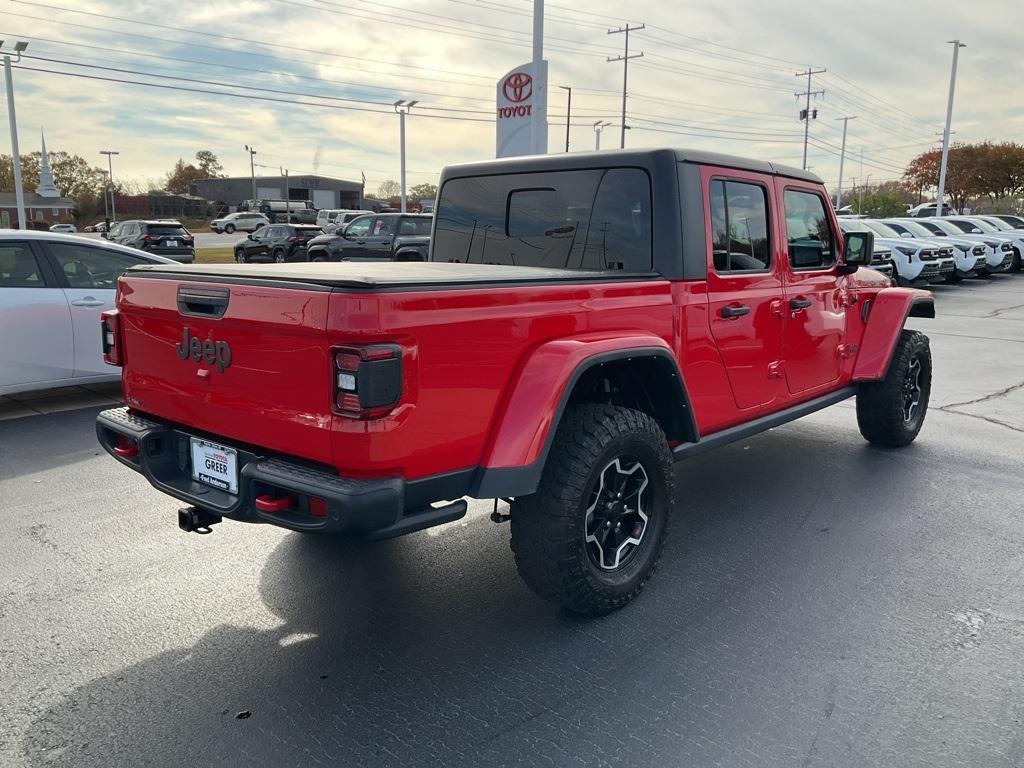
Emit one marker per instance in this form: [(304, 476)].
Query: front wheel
[(891, 411), (230, 229), (240, 256), (591, 535)]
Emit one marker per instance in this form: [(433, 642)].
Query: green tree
[(423, 192), (879, 202), (209, 164), (180, 179)]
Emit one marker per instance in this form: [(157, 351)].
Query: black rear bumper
[(371, 507)]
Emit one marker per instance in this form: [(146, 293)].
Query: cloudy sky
[(714, 75)]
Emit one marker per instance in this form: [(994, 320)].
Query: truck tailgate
[(244, 362)]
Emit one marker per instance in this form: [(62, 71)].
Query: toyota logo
[(518, 87)]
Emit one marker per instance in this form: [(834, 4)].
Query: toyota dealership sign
[(522, 125)]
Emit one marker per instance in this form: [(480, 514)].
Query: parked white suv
[(242, 221), (1000, 249), (979, 225), (969, 256)]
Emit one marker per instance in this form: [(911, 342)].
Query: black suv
[(374, 237), (162, 237), (276, 242)]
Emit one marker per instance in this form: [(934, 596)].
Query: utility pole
[(539, 119), (19, 193), (842, 157), (110, 179), (599, 126), (624, 58), (568, 114), (287, 194), (252, 169), (957, 45), (402, 107), (805, 115)]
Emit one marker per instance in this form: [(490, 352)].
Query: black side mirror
[(858, 248)]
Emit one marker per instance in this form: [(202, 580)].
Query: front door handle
[(88, 301), (800, 302), (734, 310)]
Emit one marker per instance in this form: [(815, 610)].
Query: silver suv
[(243, 221)]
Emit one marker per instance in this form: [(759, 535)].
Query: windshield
[(985, 226), (854, 225), (999, 224), (882, 229), (916, 229), (940, 228)]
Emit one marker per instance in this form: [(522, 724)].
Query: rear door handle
[(800, 302), (734, 310), (88, 301)]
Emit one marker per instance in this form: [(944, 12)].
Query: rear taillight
[(146, 237), (367, 380), (295, 239), (110, 330)]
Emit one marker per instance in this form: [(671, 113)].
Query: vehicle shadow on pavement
[(42, 443), (428, 650)]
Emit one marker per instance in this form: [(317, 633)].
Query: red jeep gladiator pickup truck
[(582, 321)]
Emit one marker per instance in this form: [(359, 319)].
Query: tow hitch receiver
[(196, 520)]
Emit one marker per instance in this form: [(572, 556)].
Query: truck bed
[(353, 275)]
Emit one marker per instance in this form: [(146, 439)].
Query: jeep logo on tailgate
[(209, 351)]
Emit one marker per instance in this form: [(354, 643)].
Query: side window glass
[(18, 268), (359, 227), (807, 231), (382, 227), (619, 236), (739, 227), (87, 267)]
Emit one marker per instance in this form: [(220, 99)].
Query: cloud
[(713, 76)]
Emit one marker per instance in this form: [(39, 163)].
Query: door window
[(811, 245), (86, 267), (359, 227), (739, 226), (18, 267), (382, 227)]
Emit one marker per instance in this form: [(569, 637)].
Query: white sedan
[(52, 290)]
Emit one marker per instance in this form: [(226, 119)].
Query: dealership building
[(323, 191)]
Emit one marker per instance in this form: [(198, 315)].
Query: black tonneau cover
[(374, 275)]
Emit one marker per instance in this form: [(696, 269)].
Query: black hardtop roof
[(620, 157)]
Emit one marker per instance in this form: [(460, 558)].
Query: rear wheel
[(592, 533), (279, 255), (229, 228), (891, 411)]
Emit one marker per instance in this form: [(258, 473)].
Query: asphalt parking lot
[(820, 603)]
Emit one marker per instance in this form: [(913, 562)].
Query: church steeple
[(46, 186)]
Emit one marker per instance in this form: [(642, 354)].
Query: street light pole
[(842, 157), (110, 180), (252, 169), (402, 107), (598, 127), (568, 114), (957, 45), (19, 193)]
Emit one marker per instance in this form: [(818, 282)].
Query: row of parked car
[(922, 251), (365, 237)]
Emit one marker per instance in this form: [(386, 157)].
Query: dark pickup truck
[(584, 320)]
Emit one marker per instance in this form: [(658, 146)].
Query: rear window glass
[(165, 229), (415, 227), (18, 268), (588, 219)]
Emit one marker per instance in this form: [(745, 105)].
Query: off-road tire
[(230, 229), (881, 405), (549, 527)]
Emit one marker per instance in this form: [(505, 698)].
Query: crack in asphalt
[(998, 312), (990, 420), (985, 398)]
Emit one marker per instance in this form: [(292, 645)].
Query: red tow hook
[(267, 503), (126, 448)]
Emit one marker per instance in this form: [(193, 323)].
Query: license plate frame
[(214, 465)]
